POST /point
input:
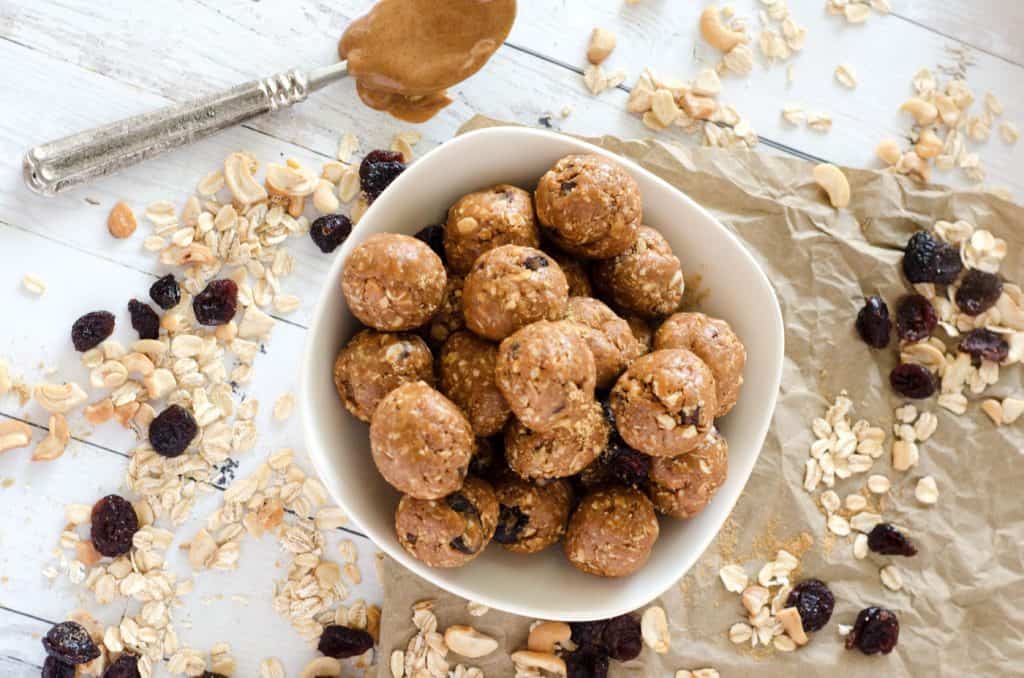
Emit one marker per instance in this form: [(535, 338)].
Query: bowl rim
[(309, 426)]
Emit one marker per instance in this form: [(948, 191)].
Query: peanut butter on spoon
[(405, 54)]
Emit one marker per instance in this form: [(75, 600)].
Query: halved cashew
[(717, 34), (138, 363), (60, 398), (238, 174), (889, 151), (293, 182), (14, 434), (928, 144), (322, 667), (654, 629), (544, 637), (468, 642), (324, 198), (602, 42), (924, 112), (832, 179), (914, 165), (544, 661), (793, 625), (53, 445)]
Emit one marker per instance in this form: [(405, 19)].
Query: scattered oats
[(954, 402), (790, 74), (400, 144), (925, 426), (739, 60), (784, 643), (856, 13), (348, 145), (905, 454), (1009, 132), (740, 633), (819, 122), (927, 491), (891, 578), (855, 502), (838, 525), (33, 283), (283, 406), (860, 546), (829, 501), (1012, 409), (733, 578), (844, 630), (348, 185), (878, 484), (846, 75), (794, 114), (477, 609), (865, 521)]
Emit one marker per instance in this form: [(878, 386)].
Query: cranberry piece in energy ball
[(114, 524), (873, 323), (510, 287), (467, 377), (377, 170), (145, 321), (165, 292), (665, 403), (217, 303), (683, 486), (609, 337), (876, 630), (561, 451), (912, 381), (393, 282), (420, 441), (888, 541), (342, 642), (590, 206), (645, 280), (433, 237), (91, 330), (984, 344), (531, 517), (448, 531), (814, 602), (713, 341), (915, 318), (546, 373), (612, 532), (484, 220), (329, 231), (373, 364), (978, 292), (70, 643), (172, 431)]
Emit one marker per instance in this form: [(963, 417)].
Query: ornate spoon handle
[(56, 166)]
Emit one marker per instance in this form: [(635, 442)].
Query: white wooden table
[(72, 65)]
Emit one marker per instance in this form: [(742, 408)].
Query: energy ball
[(421, 442), (546, 373), (531, 517), (561, 451), (373, 364), (612, 532), (642, 332), (665, 403), (510, 287), (714, 342), (467, 377), (449, 531), (682, 486), (393, 282), (575, 274), (646, 280), (481, 221), (448, 318), (609, 337), (590, 206)]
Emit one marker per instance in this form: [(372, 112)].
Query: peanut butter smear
[(405, 54)]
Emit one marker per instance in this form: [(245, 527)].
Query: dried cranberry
[(216, 304), (915, 318), (589, 633), (378, 170), (70, 643), (586, 662), (511, 522), (927, 260), (912, 381), (978, 291), (165, 292), (342, 642), (887, 540), (434, 237), (622, 639), (114, 523), (91, 329), (55, 668), (814, 601), (873, 324), (172, 431), (126, 666), (985, 344), (876, 630), (145, 321), (329, 231)]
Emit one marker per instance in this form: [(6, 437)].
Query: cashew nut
[(53, 445), (539, 660), (793, 625), (59, 398), (832, 179), (110, 374), (923, 111), (928, 144), (544, 637), (322, 667), (654, 629), (293, 182), (14, 434), (138, 363), (324, 199), (468, 642), (914, 165), (602, 42), (717, 34), (238, 174), (889, 151)]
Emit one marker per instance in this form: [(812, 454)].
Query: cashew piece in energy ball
[(717, 34), (923, 111), (322, 667), (832, 179)]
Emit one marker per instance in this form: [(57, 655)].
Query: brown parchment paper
[(961, 608)]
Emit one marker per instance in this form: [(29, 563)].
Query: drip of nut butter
[(405, 54)]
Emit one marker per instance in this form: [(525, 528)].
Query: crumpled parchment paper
[(961, 608)]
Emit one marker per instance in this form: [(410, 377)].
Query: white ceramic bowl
[(543, 585)]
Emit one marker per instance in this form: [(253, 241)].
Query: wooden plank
[(992, 26), (21, 654)]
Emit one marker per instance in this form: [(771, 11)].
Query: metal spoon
[(56, 166)]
